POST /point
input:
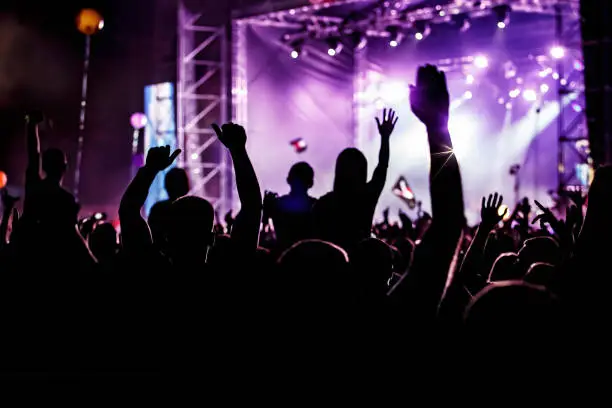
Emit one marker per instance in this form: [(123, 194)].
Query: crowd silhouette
[(169, 293)]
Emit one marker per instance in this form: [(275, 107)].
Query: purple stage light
[(530, 95), (514, 93), (480, 61), (557, 52), (544, 88), (138, 120), (468, 95)]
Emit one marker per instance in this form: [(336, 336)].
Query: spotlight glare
[(418, 36), (393, 43), (480, 61), (501, 101), (508, 105), (501, 25), (577, 108), (514, 93), (295, 54), (557, 52), (331, 52), (468, 95), (469, 79), (544, 88), (555, 75), (530, 95), (334, 46), (502, 14)]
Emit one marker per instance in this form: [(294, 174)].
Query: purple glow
[(138, 120), (557, 52), (481, 62), (501, 25), (295, 54), (530, 95)]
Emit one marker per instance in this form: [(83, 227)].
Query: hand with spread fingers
[(386, 127), (429, 97), (489, 211)]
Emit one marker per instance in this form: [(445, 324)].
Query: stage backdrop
[(308, 98)]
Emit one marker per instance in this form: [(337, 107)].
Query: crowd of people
[(168, 291)]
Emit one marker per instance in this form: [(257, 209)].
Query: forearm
[(245, 231), (134, 229), (33, 148), (6, 215), (471, 272)]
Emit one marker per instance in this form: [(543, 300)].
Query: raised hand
[(231, 135), (385, 128), (489, 211), (429, 98), (159, 158)]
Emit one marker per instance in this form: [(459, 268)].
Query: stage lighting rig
[(297, 48), (422, 29), (462, 21), (395, 36), (502, 14), (334, 46)]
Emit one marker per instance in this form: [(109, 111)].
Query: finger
[(494, 203), (505, 213), (385, 115), (378, 122), (500, 201), (217, 129), (442, 79), (482, 206), (490, 200), (395, 121), (540, 206), (174, 155), (537, 218)]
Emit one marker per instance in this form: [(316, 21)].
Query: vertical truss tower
[(202, 99)]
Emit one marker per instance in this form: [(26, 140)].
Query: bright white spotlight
[(501, 25), (555, 75), (295, 54), (501, 101), (393, 43), (557, 52), (334, 46), (480, 61), (508, 105), (468, 95), (514, 93), (576, 108), (331, 52), (530, 95), (418, 36), (544, 88), (469, 79)]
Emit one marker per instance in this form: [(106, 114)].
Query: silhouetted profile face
[(190, 224), (176, 183), (54, 163), (351, 170), (103, 241), (301, 176)]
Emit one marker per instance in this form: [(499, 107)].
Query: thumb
[(217, 129), (174, 155)]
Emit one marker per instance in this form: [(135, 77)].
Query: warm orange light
[(3, 179), (89, 21)]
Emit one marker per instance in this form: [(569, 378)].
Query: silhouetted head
[(505, 268), (301, 176), (539, 249), (351, 170), (103, 241), (372, 263), (513, 307), (176, 183), (54, 163), (314, 268), (541, 273), (190, 227)]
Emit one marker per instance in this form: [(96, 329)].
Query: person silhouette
[(176, 183), (292, 213)]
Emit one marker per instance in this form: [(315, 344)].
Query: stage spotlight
[(360, 40), (468, 95), (480, 61), (469, 79), (395, 36), (508, 105), (502, 14), (557, 52), (462, 21), (296, 48), (555, 75), (577, 108), (334, 46), (544, 88), (422, 29), (501, 101), (530, 95), (514, 93)]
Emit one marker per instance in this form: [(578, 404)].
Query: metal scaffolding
[(201, 101), (572, 129)]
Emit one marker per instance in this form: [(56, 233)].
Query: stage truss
[(203, 91), (201, 101)]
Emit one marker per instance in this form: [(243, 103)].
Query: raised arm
[(245, 231), (436, 256), (385, 129), (33, 146), (135, 233)]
